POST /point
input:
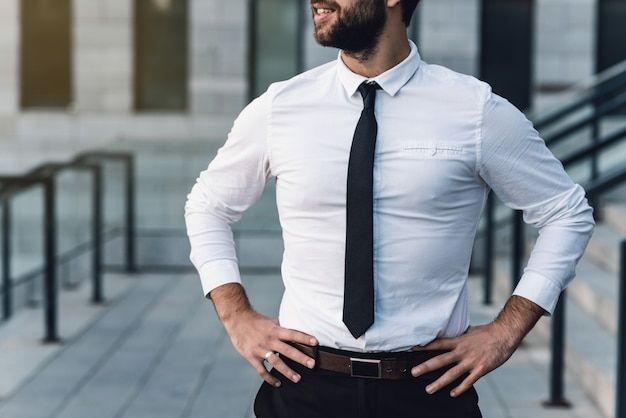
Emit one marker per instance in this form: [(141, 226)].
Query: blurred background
[(110, 108)]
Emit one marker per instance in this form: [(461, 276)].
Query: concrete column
[(449, 34), (103, 55), (9, 68), (564, 43), (218, 57)]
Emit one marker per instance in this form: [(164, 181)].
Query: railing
[(13, 185), (605, 96), (620, 408), (44, 175)]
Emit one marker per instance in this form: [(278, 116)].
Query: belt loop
[(316, 355)]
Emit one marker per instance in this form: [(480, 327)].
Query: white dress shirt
[(443, 141)]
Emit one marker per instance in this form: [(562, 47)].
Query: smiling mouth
[(322, 8), (322, 11)]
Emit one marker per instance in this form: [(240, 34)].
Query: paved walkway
[(156, 349)]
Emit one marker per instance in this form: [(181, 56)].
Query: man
[(442, 141)]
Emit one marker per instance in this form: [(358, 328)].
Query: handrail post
[(50, 279), (621, 338), (97, 293), (488, 257), (130, 214), (557, 366), (595, 170), (7, 289), (517, 247), (130, 235)]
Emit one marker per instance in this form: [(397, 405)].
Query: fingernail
[(313, 341), (277, 384), (310, 363), (295, 378), (430, 390), (453, 394), (415, 372)]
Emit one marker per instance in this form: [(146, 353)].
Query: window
[(275, 42), (611, 18), (161, 55), (507, 48), (46, 61)]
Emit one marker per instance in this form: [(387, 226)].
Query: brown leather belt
[(396, 365)]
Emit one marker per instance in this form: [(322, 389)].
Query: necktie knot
[(368, 92)]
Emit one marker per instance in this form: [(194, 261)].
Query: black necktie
[(358, 302)]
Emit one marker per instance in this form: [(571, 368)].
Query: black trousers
[(324, 394)]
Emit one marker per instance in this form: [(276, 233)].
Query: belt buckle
[(366, 368)]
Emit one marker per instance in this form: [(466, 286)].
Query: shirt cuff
[(217, 273), (540, 290)]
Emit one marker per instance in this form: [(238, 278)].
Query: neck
[(392, 48)]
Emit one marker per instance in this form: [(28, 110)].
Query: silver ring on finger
[(268, 355)]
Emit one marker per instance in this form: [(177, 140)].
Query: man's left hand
[(480, 349)]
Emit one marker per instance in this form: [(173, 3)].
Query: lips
[(322, 11)]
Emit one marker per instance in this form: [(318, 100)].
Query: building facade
[(78, 74)]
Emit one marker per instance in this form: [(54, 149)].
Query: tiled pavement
[(156, 349)]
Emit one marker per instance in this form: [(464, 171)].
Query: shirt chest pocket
[(432, 150)]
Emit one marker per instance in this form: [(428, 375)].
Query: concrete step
[(152, 352), (23, 352), (595, 291), (614, 216), (590, 348), (603, 249), (591, 306)]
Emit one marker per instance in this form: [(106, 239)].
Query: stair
[(591, 308)]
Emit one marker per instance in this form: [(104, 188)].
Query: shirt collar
[(391, 80)]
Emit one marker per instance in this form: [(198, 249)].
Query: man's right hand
[(259, 338)]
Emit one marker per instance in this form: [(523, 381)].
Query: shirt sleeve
[(524, 174), (233, 181)]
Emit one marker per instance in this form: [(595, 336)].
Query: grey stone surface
[(158, 350)]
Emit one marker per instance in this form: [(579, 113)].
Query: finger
[(296, 355), (434, 363), (291, 335), (465, 385), (262, 371), (281, 367), (446, 379), (439, 344)]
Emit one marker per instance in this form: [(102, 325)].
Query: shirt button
[(433, 152)]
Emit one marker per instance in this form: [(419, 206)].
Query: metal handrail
[(15, 184), (44, 175), (128, 160), (606, 108), (590, 91), (620, 393), (612, 90), (51, 169)]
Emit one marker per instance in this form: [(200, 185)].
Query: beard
[(357, 29)]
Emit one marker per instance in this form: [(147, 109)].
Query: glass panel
[(506, 48), (161, 54), (46, 75), (611, 18), (276, 50)]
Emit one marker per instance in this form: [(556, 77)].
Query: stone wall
[(564, 42), (102, 111), (8, 68), (449, 34)]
